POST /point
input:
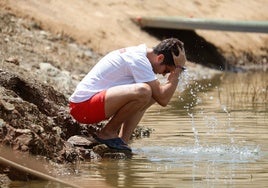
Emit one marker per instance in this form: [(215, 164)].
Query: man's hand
[(181, 58)]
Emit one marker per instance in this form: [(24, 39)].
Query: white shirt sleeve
[(141, 70)]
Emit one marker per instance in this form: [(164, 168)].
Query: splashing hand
[(181, 58)]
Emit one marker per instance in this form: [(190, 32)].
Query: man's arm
[(163, 93)]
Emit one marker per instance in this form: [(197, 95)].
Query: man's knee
[(144, 92)]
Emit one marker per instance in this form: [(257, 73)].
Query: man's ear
[(160, 58)]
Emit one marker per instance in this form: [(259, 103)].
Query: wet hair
[(167, 46)]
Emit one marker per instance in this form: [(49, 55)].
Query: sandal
[(113, 143)]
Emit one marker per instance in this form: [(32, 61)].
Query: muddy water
[(215, 134)]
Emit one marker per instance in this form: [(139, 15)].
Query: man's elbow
[(163, 102)]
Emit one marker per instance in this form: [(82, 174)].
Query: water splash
[(230, 128), (194, 130), (184, 80), (216, 153)]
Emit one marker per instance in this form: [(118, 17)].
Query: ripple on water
[(217, 153)]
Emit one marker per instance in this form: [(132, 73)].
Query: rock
[(82, 141), (13, 60), (7, 106), (116, 155), (106, 152), (22, 142), (4, 181), (101, 149), (141, 132)]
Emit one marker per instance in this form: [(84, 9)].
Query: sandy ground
[(106, 25)]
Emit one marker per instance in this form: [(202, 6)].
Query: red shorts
[(90, 111)]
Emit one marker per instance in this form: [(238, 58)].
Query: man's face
[(161, 68), (167, 69)]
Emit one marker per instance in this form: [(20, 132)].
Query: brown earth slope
[(105, 25)]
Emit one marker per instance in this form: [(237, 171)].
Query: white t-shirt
[(120, 67)]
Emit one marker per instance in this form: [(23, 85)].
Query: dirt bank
[(34, 87), (105, 25)]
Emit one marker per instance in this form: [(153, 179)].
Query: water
[(215, 134)]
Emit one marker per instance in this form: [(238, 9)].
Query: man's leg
[(131, 123), (123, 103)]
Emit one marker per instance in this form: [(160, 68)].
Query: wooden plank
[(198, 23)]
